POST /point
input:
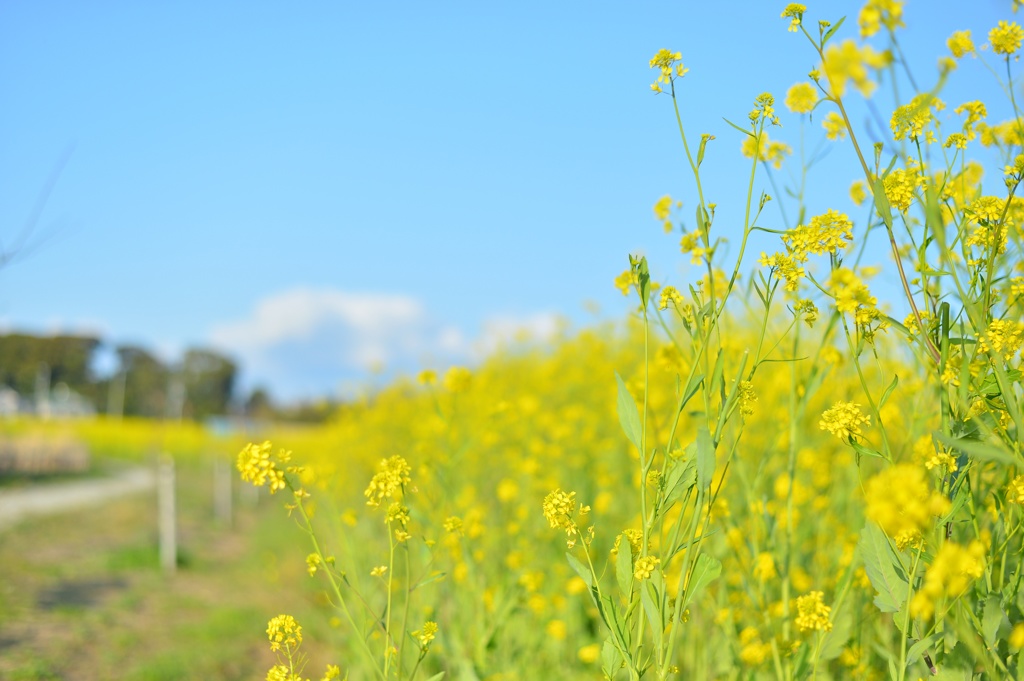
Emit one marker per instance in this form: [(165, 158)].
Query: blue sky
[(325, 188)]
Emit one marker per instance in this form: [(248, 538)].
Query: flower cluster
[(847, 61), (390, 479), (1003, 338), (909, 120), (670, 66), (903, 503), (801, 98), (829, 232), (257, 466), (645, 567), (425, 634), (1006, 37), (283, 630), (812, 613), (1015, 491), (844, 420), (559, 508), (949, 575), (878, 13)]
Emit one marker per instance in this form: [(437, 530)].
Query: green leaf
[(991, 618), (882, 204), (691, 389), (835, 641), (745, 132), (878, 559), (700, 150), (977, 449), (681, 477), (611, 659), (582, 570), (831, 32), (706, 570), (629, 417), (429, 580), (649, 597), (918, 650), (888, 391), (624, 567), (864, 451), (437, 677), (705, 458)]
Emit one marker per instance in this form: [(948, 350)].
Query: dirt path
[(66, 496)]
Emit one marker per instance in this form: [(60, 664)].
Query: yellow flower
[(829, 232), (764, 566), (556, 630), (1006, 37), (559, 508), (910, 119), (877, 13), (379, 571), (427, 377), (849, 291), (903, 503), (645, 567), (457, 379), (835, 127), (1016, 639), (858, 192), (1003, 337), (670, 65), (844, 420), (846, 62), (1015, 490), (949, 575), (284, 630), (669, 296), (453, 525), (786, 266), (589, 654), (767, 150), (662, 207), (391, 477), (794, 11), (426, 634), (899, 188), (960, 43), (257, 467), (801, 98), (812, 613), (625, 281)]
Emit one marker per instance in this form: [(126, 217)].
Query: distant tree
[(260, 405), (209, 381), (144, 380), (25, 359)]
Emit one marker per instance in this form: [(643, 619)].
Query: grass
[(83, 596)]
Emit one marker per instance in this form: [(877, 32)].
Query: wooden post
[(222, 478), (167, 520)]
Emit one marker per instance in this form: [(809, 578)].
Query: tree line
[(200, 385)]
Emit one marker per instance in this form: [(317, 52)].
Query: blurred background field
[(385, 242), (86, 597)]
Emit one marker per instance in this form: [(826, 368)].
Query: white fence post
[(222, 491), (167, 520)]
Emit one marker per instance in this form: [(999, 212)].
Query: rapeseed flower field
[(762, 475)]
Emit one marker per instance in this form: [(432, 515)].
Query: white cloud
[(306, 342), (503, 330)]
